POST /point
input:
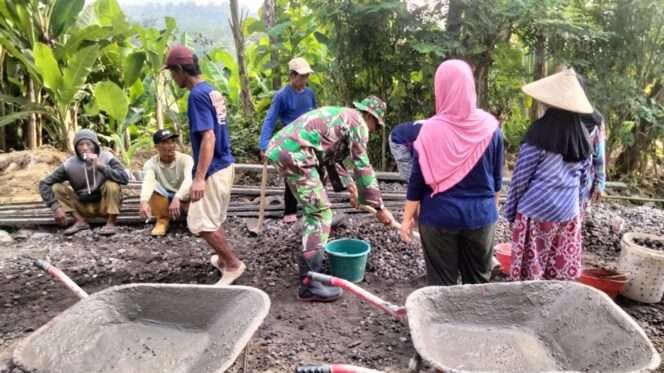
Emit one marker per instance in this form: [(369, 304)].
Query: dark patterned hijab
[(562, 132)]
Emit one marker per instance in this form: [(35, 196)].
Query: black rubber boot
[(314, 291)]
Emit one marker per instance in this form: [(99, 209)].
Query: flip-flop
[(214, 260), (228, 277), (107, 230), (76, 228)]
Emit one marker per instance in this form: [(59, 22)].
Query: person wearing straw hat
[(318, 141), (455, 181), (293, 100), (548, 183)]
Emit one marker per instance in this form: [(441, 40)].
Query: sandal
[(214, 260), (77, 227), (107, 230), (228, 277)]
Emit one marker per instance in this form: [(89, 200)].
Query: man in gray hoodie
[(94, 177)]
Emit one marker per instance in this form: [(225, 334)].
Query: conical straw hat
[(561, 90)]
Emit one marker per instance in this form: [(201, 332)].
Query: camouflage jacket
[(330, 134)]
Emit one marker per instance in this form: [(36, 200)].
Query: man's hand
[(174, 208), (93, 159), (352, 190), (197, 189), (60, 217), (385, 216), (144, 210)]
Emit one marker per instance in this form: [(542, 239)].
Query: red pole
[(60, 276), (398, 312)]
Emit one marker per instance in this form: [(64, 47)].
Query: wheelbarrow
[(145, 328), (533, 326)]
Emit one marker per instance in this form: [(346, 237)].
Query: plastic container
[(504, 255), (348, 258), (646, 268), (610, 282)]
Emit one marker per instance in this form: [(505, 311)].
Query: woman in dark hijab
[(548, 183)]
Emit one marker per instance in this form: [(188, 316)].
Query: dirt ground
[(344, 332), (20, 173)]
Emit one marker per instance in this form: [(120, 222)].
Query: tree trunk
[(269, 20), (3, 136), (539, 71), (31, 135), (158, 98), (236, 23), (454, 15), (383, 148), (630, 159), (482, 78)]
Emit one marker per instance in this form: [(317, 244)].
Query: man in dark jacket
[(94, 177)]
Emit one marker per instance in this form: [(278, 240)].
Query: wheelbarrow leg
[(415, 364), (244, 358)]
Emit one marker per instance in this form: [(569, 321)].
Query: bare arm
[(205, 155)]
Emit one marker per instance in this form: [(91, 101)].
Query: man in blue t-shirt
[(402, 138), (213, 161), (288, 104)]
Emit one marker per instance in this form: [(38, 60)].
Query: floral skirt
[(546, 250)]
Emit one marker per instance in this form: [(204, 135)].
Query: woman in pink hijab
[(457, 174)]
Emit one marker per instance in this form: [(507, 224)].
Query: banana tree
[(123, 116), (154, 46), (65, 83)]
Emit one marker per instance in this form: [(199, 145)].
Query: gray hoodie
[(84, 178)]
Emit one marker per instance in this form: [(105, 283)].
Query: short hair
[(190, 69)]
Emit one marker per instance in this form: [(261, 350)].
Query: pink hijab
[(451, 142)]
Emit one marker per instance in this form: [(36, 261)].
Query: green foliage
[(93, 64), (111, 99), (64, 15)]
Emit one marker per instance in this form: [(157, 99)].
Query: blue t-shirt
[(287, 105), (207, 111), (405, 133), (471, 203)]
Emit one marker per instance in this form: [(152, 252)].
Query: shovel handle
[(399, 312), (261, 207), (394, 224), (334, 368), (60, 276)]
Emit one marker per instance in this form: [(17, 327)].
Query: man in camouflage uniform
[(322, 139)]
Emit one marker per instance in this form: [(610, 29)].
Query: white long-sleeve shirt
[(175, 177)]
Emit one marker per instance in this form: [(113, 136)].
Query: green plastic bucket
[(348, 258)]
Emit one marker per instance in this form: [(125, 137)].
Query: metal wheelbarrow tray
[(147, 328), (535, 326)]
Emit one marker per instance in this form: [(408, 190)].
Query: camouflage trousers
[(306, 185)]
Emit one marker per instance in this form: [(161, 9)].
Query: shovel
[(255, 230)]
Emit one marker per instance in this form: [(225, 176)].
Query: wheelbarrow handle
[(334, 368), (398, 312), (60, 276)]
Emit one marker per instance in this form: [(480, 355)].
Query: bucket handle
[(398, 312), (60, 276), (334, 368)]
